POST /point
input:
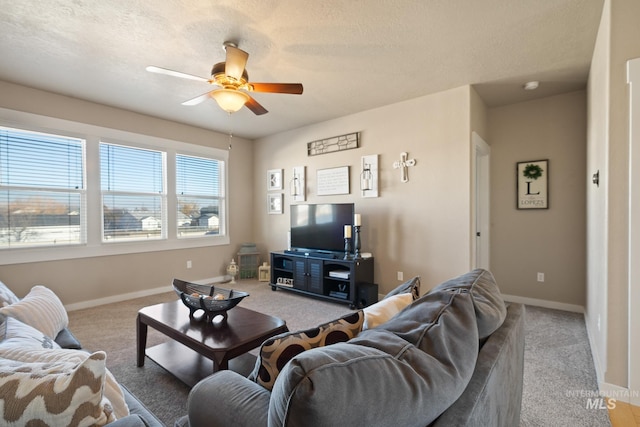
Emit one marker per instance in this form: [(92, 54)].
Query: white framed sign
[(333, 181)]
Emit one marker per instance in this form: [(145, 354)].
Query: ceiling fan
[(233, 81)]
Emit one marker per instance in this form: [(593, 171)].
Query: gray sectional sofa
[(453, 357), (85, 392)]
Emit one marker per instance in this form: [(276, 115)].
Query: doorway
[(481, 162)]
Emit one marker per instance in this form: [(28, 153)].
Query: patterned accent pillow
[(411, 286), (14, 333), (112, 391), (7, 297), (58, 394), (41, 309), (277, 351)]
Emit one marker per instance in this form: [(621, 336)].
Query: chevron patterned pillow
[(55, 394)]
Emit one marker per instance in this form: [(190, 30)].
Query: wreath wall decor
[(532, 184)]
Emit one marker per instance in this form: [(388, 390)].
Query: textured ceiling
[(350, 55)]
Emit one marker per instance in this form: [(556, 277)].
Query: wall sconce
[(297, 184), (366, 177), (596, 178), (369, 176)]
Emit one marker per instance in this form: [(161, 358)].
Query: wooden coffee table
[(196, 344)]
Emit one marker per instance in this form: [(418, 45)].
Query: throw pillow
[(41, 309), (7, 297), (485, 294), (54, 394), (411, 286), (14, 333), (378, 313), (112, 391), (423, 358), (277, 351)]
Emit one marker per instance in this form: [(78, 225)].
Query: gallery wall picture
[(532, 180), (333, 181), (274, 203), (274, 179)]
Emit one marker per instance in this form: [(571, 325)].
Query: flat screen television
[(320, 227)]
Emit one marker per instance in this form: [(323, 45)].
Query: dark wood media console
[(323, 276)]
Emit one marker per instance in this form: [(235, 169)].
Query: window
[(42, 197), (73, 190), (200, 206), (133, 194)]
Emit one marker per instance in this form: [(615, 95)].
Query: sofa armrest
[(226, 398), (129, 421), (139, 414)]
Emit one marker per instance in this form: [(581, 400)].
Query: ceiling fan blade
[(255, 107), (166, 71), (290, 88), (235, 62), (197, 100)]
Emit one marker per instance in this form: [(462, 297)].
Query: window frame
[(93, 135), (81, 191)]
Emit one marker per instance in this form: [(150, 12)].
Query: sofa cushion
[(275, 352), (422, 359), (487, 300), (14, 333), (40, 308), (112, 391), (7, 297), (378, 313), (58, 394), (411, 286)]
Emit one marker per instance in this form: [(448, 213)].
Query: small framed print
[(274, 203), (532, 184), (274, 179)]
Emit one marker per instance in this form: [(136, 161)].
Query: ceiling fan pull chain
[(230, 131)]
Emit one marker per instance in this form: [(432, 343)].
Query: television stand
[(323, 275)]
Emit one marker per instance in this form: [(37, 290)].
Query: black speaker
[(367, 294)]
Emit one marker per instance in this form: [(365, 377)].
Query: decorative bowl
[(212, 300)]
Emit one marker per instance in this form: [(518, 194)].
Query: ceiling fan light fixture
[(230, 100)]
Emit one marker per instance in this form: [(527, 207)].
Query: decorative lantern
[(232, 270)]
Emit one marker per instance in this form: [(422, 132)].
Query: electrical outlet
[(189, 264), (540, 277), (400, 275)]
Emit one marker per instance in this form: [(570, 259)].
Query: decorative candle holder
[(347, 248), (356, 229)]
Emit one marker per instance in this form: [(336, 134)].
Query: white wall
[(421, 227), (550, 241), (608, 288), (79, 280)]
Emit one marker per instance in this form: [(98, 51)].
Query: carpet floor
[(558, 364)]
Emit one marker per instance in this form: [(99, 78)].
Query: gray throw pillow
[(487, 300), (411, 369)]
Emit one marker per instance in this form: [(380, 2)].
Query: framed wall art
[(274, 203), (274, 179), (532, 180), (333, 181)]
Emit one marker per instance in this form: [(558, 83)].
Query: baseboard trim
[(132, 295), (544, 303), (618, 393)]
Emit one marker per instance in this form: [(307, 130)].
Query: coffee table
[(199, 348)]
